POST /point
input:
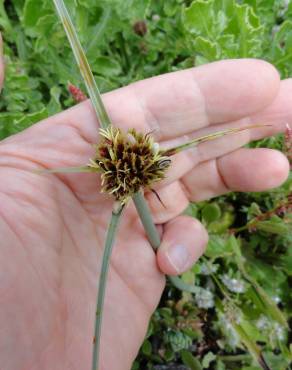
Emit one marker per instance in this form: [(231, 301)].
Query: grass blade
[(83, 65), (251, 346), (209, 137), (81, 169), (111, 233)]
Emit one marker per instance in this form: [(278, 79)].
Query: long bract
[(209, 137), (109, 243), (83, 64)]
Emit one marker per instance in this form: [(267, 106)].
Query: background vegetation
[(239, 319)]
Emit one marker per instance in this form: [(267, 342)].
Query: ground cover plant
[(248, 261)]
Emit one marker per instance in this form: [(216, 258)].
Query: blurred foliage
[(238, 319)]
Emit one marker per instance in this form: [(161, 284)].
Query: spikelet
[(128, 162)]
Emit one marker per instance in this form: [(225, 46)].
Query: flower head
[(127, 162), (234, 285)]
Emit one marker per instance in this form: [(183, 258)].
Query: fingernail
[(178, 256)]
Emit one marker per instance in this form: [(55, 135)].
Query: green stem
[(146, 219), (235, 358), (154, 238), (83, 65), (111, 233)]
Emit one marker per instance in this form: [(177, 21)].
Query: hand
[(53, 227)]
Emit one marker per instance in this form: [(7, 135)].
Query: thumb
[(183, 242)]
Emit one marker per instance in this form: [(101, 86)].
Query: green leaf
[(147, 348), (192, 210), (205, 47), (230, 29), (199, 18), (250, 344), (131, 9), (218, 247), (274, 226), (178, 340), (271, 308), (54, 105), (208, 359), (28, 120), (223, 224), (106, 66), (32, 12), (211, 212), (190, 361)]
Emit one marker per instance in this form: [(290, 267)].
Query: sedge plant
[(129, 163)]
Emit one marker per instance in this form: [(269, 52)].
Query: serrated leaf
[(207, 48), (231, 29), (199, 18)]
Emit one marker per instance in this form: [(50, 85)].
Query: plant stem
[(154, 238), (83, 65), (235, 358), (111, 233), (146, 219)]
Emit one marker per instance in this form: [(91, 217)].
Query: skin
[(52, 227)]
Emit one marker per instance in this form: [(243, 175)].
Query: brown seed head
[(127, 162), (140, 28)]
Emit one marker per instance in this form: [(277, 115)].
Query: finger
[(276, 115), (184, 162), (44, 144), (243, 170), (167, 203), (184, 241), (180, 102), (177, 112)]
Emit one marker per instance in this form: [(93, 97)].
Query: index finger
[(180, 102)]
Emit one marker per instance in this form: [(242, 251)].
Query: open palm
[(53, 227)]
